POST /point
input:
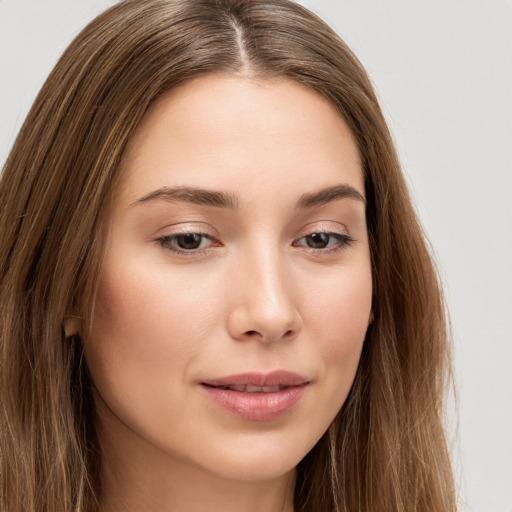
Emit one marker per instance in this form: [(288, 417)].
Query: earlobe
[(72, 326)]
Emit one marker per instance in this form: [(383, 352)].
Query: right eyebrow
[(192, 195)]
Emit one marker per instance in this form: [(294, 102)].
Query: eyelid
[(183, 228), (336, 229), (324, 226), (165, 240), (343, 242), (165, 243)]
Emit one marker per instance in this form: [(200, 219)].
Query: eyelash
[(166, 242), (343, 242)]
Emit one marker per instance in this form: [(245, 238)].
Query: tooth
[(249, 388)]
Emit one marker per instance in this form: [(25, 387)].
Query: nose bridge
[(270, 280), (266, 303)]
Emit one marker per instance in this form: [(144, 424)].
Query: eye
[(186, 242), (326, 242)]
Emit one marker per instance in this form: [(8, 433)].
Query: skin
[(253, 296)]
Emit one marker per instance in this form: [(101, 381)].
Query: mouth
[(257, 396), (249, 388), (254, 382)]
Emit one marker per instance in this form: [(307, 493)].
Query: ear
[(371, 318), (72, 326)]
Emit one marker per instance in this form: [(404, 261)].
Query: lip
[(257, 406)]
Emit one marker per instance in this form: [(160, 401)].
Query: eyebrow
[(193, 195), (229, 201), (327, 195)]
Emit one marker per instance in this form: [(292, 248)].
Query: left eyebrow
[(329, 194)]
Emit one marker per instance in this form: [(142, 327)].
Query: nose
[(264, 300)]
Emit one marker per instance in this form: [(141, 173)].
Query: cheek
[(341, 309), (339, 317), (147, 329)]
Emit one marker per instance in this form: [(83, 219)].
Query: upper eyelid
[(181, 233), (328, 231), (166, 242), (325, 226), (342, 238), (185, 228)]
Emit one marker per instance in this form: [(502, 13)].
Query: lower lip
[(256, 406)]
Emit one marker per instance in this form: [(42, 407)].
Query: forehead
[(241, 135)]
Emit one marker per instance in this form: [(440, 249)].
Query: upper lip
[(280, 378)]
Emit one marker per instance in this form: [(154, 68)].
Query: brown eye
[(189, 241), (186, 243), (325, 242), (318, 240)]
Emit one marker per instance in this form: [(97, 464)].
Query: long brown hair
[(386, 449)]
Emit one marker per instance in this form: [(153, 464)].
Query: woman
[(214, 289)]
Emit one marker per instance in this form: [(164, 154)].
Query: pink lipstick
[(257, 396)]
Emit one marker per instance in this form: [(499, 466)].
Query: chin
[(258, 459), (256, 469)]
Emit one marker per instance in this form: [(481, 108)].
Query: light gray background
[(443, 71)]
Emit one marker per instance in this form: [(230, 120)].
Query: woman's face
[(236, 288)]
